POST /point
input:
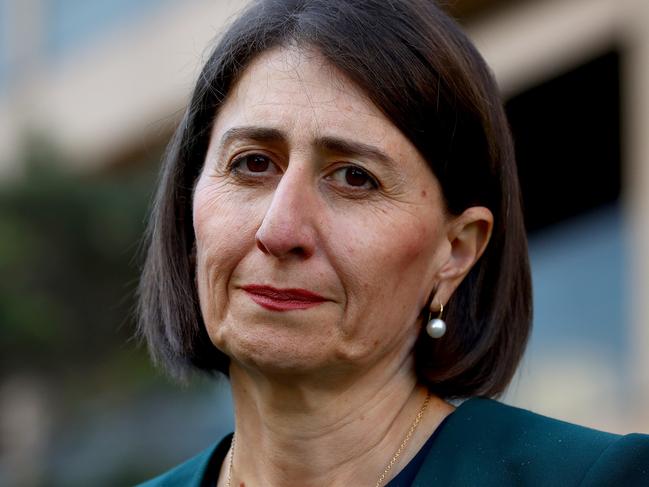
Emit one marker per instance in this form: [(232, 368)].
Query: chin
[(275, 350)]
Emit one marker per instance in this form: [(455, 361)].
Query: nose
[(287, 229)]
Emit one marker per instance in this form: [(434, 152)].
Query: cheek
[(224, 230), (387, 267), (388, 257), (396, 242), (222, 218)]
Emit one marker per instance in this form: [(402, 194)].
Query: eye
[(253, 164), (355, 177)]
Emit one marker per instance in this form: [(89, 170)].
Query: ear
[(468, 235)]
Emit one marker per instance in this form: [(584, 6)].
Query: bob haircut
[(415, 64)]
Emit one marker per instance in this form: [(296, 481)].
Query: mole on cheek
[(423, 193)]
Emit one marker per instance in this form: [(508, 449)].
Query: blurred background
[(90, 92)]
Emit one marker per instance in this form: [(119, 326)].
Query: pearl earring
[(436, 327)]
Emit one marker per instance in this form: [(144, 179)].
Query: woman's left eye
[(355, 177)]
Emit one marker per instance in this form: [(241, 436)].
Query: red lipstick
[(282, 299)]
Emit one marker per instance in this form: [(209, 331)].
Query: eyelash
[(234, 167), (235, 163), (365, 174)]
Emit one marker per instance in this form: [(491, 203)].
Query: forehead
[(303, 79), (297, 91)]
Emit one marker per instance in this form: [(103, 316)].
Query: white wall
[(117, 92)]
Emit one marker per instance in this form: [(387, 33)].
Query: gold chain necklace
[(393, 461)]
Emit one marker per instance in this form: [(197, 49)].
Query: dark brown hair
[(417, 66)]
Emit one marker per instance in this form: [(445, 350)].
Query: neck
[(299, 433)]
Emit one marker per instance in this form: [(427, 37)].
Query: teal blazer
[(485, 443)]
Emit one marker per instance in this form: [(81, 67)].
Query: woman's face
[(319, 228)]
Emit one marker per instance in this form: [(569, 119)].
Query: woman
[(338, 229)]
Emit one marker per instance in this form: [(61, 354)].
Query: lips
[(283, 299)]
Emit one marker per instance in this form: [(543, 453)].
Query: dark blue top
[(484, 443), (406, 477)]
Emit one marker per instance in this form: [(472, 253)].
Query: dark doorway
[(567, 135)]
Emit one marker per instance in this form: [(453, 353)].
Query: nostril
[(299, 251), (283, 237), (261, 246)]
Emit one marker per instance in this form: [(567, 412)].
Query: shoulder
[(485, 442), (624, 462), (195, 471)]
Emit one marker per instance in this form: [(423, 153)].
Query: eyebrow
[(338, 145), (352, 148), (261, 134)]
